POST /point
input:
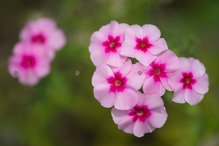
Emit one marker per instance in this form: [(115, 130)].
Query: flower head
[(190, 82), (147, 115), (143, 43), (154, 78), (44, 33), (105, 45), (112, 86), (28, 63)]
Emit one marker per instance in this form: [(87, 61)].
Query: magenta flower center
[(38, 39), (157, 71), (117, 82), (28, 61), (112, 44), (143, 44), (187, 80), (141, 113)]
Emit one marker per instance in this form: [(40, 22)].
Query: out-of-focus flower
[(143, 43), (112, 86), (43, 32), (105, 44), (190, 82), (28, 63), (147, 115)]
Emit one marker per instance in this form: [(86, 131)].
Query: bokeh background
[(61, 109)]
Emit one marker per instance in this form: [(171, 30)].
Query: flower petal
[(140, 128), (158, 118), (118, 114), (158, 47), (179, 96), (145, 58), (201, 85), (136, 76), (126, 100), (198, 69), (193, 97), (152, 32), (116, 60), (150, 87)]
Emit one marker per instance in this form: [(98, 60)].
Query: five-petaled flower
[(155, 77), (143, 43), (112, 86), (106, 43), (44, 33), (190, 82), (147, 115), (28, 63)]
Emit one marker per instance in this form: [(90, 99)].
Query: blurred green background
[(61, 109)]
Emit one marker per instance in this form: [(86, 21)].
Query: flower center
[(38, 39), (28, 61), (187, 80), (157, 71), (112, 44), (117, 82), (143, 44), (140, 112)]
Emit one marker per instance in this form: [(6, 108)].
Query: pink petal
[(28, 78), (128, 48), (126, 100), (136, 76), (179, 96), (151, 87), (102, 94), (125, 68), (118, 114), (104, 71), (198, 69), (141, 128), (138, 31), (165, 83), (145, 58), (170, 59), (115, 60), (153, 101), (152, 32), (126, 124), (99, 58), (158, 47), (201, 85), (174, 81), (57, 39), (184, 65), (96, 40), (97, 79), (193, 97), (158, 118)]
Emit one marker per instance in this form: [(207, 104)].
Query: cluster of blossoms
[(134, 90), (33, 54)]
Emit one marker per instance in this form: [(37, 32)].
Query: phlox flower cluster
[(31, 59), (134, 90)]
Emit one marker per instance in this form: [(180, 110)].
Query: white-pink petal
[(202, 84)]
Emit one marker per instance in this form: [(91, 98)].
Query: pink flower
[(112, 86), (154, 78), (28, 63), (105, 45), (43, 32), (143, 43), (190, 82), (147, 115)]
